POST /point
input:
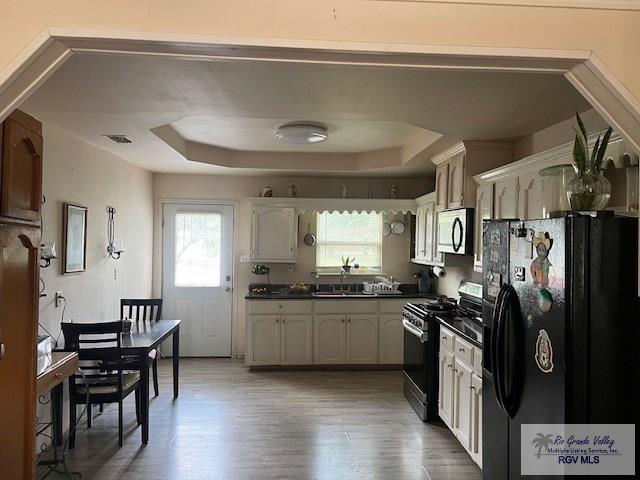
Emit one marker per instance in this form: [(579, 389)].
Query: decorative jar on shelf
[(589, 190)]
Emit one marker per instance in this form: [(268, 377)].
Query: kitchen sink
[(342, 294)]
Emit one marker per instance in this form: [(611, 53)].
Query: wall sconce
[(115, 248), (47, 253)]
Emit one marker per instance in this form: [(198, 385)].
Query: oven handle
[(411, 328)]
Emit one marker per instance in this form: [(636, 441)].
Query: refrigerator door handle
[(512, 306), (495, 345)]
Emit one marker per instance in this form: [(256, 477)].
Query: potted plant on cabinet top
[(589, 190)]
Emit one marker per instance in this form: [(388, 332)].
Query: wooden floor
[(232, 424)]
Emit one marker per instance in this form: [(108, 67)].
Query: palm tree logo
[(541, 441)]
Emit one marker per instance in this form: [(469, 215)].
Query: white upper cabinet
[(455, 190), (456, 167), (506, 198), (426, 228), (274, 234), (442, 186), (530, 196), (484, 211)]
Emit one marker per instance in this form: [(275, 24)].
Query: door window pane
[(198, 245)]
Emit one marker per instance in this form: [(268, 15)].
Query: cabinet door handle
[(342, 320), (277, 320), (348, 319), (444, 338), (461, 349), (2, 351), (283, 321)]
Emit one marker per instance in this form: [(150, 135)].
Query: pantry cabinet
[(274, 234), (460, 391), (456, 167)]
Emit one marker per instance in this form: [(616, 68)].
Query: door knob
[(227, 289), (227, 278)]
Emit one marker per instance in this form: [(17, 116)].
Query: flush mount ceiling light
[(302, 133)]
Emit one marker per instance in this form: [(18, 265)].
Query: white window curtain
[(356, 235)]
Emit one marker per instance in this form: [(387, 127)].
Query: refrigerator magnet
[(545, 299), (544, 352), (540, 265)]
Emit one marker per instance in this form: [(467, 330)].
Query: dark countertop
[(311, 296), (469, 329)]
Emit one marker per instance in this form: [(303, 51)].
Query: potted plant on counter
[(589, 190), (346, 263)]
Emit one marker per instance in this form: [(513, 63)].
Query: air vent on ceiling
[(119, 138)]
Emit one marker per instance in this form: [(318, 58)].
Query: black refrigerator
[(560, 318)]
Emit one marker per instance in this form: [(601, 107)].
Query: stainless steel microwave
[(455, 231)]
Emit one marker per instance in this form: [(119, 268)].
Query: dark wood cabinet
[(20, 235), (18, 330), (21, 167)]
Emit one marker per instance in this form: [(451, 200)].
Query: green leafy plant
[(582, 161), (346, 261)]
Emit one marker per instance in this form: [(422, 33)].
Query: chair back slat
[(96, 344), (141, 309)]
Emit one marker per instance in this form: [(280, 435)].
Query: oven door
[(415, 357)]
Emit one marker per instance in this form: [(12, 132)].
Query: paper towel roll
[(439, 272)]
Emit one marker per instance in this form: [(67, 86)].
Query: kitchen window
[(356, 235)]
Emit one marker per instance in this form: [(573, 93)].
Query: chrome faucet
[(316, 275)]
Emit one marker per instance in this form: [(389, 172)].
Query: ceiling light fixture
[(302, 133)]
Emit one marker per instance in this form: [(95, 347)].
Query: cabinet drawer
[(395, 306), (446, 338), (279, 306), (477, 361), (346, 306), (463, 351)]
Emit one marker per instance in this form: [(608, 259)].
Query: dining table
[(143, 339)]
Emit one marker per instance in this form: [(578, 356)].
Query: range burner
[(437, 305)]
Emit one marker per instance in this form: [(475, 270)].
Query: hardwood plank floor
[(229, 423)]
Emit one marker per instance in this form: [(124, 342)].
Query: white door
[(484, 211), (445, 402), (530, 201), (506, 199), (462, 403), (196, 276)]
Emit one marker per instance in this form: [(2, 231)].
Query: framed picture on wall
[(74, 239)]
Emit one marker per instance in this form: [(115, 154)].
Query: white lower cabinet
[(476, 417), (391, 339), (325, 332), (462, 403), (460, 395), (296, 340), (362, 339), (264, 339), (445, 387), (329, 332)]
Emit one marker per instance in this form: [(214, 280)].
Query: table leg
[(176, 360), (56, 413), (144, 396)]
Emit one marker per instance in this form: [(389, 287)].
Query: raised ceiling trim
[(448, 153), (582, 68), (584, 4), (376, 205)]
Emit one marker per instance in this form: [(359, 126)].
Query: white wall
[(80, 173), (238, 188)]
